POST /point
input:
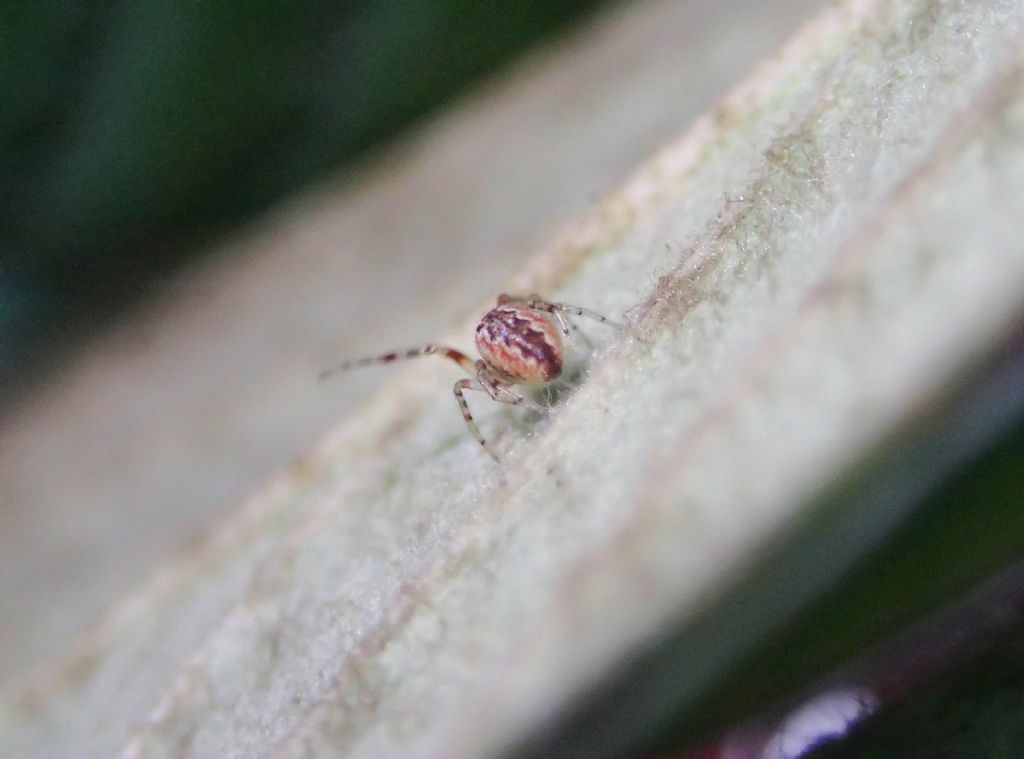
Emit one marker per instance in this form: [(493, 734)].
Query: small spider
[(518, 344)]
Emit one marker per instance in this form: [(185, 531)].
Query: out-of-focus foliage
[(969, 529), (974, 713), (130, 131)]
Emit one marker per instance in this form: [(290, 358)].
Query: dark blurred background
[(131, 132)]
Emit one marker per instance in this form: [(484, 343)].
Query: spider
[(518, 344)]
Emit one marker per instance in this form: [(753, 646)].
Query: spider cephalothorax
[(518, 344)]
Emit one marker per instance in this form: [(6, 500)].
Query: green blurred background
[(131, 132)]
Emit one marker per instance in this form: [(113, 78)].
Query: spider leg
[(501, 392), (565, 328), (459, 388), (517, 399), (557, 309), (457, 356)]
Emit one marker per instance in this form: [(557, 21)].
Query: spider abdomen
[(520, 342)]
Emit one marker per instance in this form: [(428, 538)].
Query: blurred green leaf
[(133, 131)]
